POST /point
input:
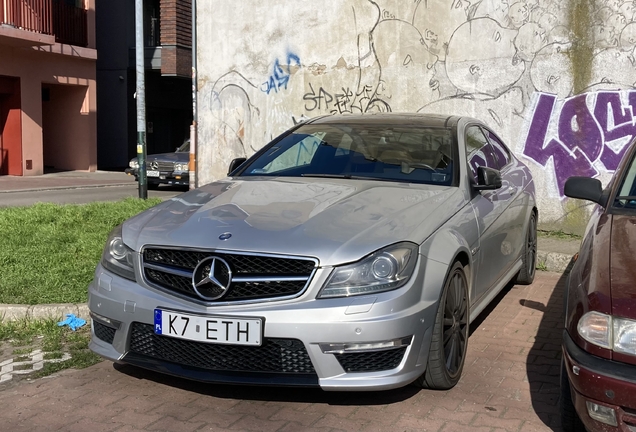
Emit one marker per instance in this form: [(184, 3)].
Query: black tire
[(570, 420), (449, 343), (153, 186), (529, 257)]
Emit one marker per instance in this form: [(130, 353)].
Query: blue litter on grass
[(72, 321)]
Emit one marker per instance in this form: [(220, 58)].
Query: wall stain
[(581, 53)]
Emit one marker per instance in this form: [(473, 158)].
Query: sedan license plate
[(210, 329), (152, 173)]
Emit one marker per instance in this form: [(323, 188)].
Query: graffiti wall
[(553, 77)]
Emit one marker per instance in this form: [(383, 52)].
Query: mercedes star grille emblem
[(154, 165), (211, 278)]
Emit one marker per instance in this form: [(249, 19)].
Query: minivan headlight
[(117, 257), (624, 336), (606, 331), (384, 270)]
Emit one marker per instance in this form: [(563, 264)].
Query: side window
[(478, 151), (297, 155), (499, 149)]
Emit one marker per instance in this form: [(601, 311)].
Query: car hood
[(622, 268), (334, 220)]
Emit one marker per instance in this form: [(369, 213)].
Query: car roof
[(396, 119)]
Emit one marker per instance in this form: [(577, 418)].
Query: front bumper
[(604, 382), (303, 321), (165, 177)]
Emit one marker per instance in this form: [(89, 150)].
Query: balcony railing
[(31, 15), (68, 23)]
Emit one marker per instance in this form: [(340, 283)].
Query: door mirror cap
[(235, 164), (584, 188), (487, 179)]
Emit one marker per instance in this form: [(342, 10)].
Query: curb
[(546, 261), (13, 312), (46, 188), (553, 261)]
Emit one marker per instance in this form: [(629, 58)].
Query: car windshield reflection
[(361, 151)]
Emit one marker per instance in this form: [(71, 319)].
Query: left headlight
[(117, 257), (384, 270), (134, 164), (181, 167), (606, 331)]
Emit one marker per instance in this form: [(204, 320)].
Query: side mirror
[(235, 164), (585, 188), (487, 179)]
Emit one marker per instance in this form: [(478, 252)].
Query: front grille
[(161, 166), (275, 355), (103, 332), (371, 361), (254, 277)]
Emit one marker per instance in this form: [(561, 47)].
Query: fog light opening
[(106, 321), (355, 347), (602, 413)]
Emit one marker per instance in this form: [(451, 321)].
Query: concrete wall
[(553, 77)]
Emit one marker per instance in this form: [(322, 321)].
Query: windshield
[(375, 151), (185, 147), (626, 196)]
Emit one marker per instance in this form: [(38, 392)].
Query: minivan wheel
[(570, 421), (529, 257), (449, 341)]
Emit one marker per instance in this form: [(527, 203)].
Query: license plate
[(151, 173), (211, 329)]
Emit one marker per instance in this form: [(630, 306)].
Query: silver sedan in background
[(350, 253)]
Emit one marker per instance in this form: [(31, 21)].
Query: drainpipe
[(194, 180)]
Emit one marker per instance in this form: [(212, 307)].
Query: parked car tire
[(529, 257), (570, 421), (449, 342)]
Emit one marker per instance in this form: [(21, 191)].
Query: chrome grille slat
[(161, 166), (255, 277)]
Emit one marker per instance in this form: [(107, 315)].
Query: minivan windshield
[(626, 195), (361, 151)]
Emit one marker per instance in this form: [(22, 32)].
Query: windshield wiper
[(354, 177), (626, 197), (343, 176)]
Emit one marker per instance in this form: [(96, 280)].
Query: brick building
[(47, 86)]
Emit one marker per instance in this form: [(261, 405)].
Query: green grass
[(48, 252), (44, 334), (558, 235)]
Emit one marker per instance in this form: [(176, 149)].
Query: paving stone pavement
[(510, 383)]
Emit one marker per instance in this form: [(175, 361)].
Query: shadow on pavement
[(544, 358), (276, 394)]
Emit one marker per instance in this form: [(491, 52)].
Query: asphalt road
[(81, 195)]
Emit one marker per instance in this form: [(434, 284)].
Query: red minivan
[(598, 371)]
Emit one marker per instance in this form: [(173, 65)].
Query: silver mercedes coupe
[(350, 253)]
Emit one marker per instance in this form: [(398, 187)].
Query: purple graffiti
[(577, 137)]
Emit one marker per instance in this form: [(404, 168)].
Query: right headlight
[(384, 270), (134, 164), (606, 331), (117, 257)]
